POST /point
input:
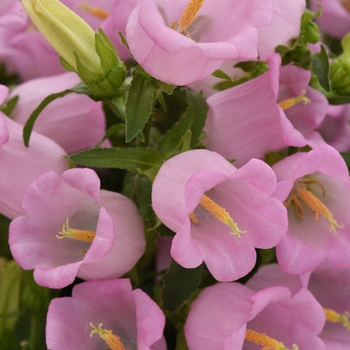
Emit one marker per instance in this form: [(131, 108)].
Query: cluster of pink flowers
[(224, 200)]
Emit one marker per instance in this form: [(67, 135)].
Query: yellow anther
[(188, 16), (267, 342), (333, 316), (111, 340), (221, 214), (194, 219), (300, 192), (73, 233), (95, 11), (286, 104)]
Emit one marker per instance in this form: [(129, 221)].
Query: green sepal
[(9, 105), (193, 119), (272, 158), (105, 50), (179, 284), (139, 104), (66, 65), (28, 127), (222, 75), (167, 88), (121, 158)]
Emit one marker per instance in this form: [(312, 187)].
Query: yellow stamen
[(194, 219), (73, 233), (286, 104), (300, 191), (95, 11), (264, 340), (221, 214), (333, 316), (189, 15), (111, 340)]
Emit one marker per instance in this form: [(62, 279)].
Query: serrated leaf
[(28, 127), (139, 104), (193, 120), (121, 158), (222, 75), (179, 284), (9, 105), (320, 66)]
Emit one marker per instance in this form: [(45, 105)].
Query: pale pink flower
[(315, 187), (101, 234), (212, 34), (220, 214), (130, 315), (229, 316)]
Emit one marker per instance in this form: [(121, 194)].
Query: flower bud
[(340, 76), (91, 55), (340, 69)]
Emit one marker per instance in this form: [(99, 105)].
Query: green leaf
[(320, 66), (10, 285), (139, 104), (346, 157), (28, 127), (222, 75), (193, 120), (179, 284), (113, 129), (122, 158), (9, 105)]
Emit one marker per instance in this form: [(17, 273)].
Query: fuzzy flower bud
[(340, 69), (91, 55)]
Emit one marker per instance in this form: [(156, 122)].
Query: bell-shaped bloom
[(335, 18), (265, 114), (101, 314), (335, 128), (75, 122), (329, 284), (72, 228), (315, 188), (21, 165), (182, 42), (230, 316), (220, 214)]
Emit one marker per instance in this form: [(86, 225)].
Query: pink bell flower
[(220, 214), (75, 122), (230, 316), (21, 165), (329, 284), (183, 42), (102, 313), (265, 114), (72, 228), (315, 188)]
